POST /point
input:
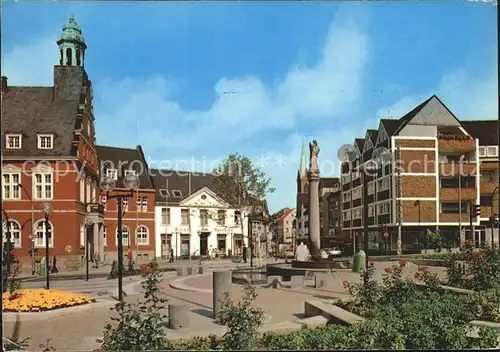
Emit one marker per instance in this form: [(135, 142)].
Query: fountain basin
[(252, 276)]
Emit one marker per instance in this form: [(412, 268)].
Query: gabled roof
[(122, 159), (285, 214), (168, 184), (361, 143), (484, 130), (391, 125), (412, 113), (204, 190)]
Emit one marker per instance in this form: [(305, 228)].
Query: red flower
[(371, 263), (402, 262), (417, 276), (147, 270), (388, 270), (345, 283), (143, 266)]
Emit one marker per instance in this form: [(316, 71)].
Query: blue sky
[(192, 82)]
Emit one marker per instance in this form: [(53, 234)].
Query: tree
[(241, 184)]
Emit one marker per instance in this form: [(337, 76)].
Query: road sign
[(386, 234)]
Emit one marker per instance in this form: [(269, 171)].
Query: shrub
[(139, 326), (365, 294)]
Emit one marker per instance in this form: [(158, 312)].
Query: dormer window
[(177, 194), (45, 141), (130, 172), (164, 193), (112, 173), (13, 141)]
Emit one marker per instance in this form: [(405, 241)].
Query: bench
[(334, 314)]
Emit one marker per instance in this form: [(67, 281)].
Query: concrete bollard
[(181, 271), (200, 270), (221, 283), (323, 280), (190, 270), (274, 280), (178, 316)]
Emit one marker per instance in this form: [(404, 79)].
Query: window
[(93, 194), (82, 190), (371, 188), (356, 193), (346, 196), (82, 234), (371, 210), (124, 204), (383, 184), (165, 216), (454, 208), (89, 195), (357, 213), (13, 141), (45, 141), (104, 201), (105, 236), (177, 194), (130, 172), (40, 234), (112, 173), (221, 217), (203, 217), (164, 193), (492, 151), (142, 235), (125, 234), (346, 215), (15, 233), (237, 218), (11, 186), (481, 151), (43, 185), (345, 179), (356, 175), (184, 216), (142, 204), (384, 208)]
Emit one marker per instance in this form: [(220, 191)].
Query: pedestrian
[(171, 255), (244, 254)]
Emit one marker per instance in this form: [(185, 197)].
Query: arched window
[(82, 234), (40, 234), (142, 235), (104, 235), (61, 58), (78, 60), (82, 188), (15, 233), (125, 237), (69, 57)]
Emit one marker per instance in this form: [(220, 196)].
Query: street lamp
[(8, 245), (131, 182), (47, 209), (88, 222), (257, 209)]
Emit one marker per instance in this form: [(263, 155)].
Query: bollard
[(221, 283), (200, 270), (190, 270), (181, 271), (178, 316)]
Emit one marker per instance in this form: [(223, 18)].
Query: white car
[(333, 252)]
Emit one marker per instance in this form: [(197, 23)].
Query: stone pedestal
[(314, 221), (221, 283), (178, 317)]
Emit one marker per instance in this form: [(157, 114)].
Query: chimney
[(4, 83)]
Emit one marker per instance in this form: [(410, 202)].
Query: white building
[(193, 224)]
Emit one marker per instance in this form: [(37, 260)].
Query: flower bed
[(37, 300)]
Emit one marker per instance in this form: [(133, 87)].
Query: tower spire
[(302, 166), (71, 44)]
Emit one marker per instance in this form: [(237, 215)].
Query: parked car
[(334, 252)]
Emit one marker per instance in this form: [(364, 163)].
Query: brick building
[(284, 226), (138, 211), (49, 155), (419, 187)]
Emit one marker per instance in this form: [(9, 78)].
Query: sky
[(192, 82)]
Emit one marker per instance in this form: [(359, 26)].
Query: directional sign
[(386, 234)]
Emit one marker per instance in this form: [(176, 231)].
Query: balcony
[(456, 145), (453, 194), (95, 208), (453, 168)]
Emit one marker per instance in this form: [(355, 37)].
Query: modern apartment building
[(438, 168)]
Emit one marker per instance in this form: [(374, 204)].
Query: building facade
[(437, 169), (284, 226), (49, 156), (138, 211)]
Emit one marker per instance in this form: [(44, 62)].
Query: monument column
[(101, 242), (314, 220)]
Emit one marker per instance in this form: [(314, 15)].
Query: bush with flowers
[(38, 299)]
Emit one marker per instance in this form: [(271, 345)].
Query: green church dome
[(72, 30)]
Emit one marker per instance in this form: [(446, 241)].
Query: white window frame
[(384, 184), (13, 187), (176, 193), (346, 215), (105, 236), (164, 193), (142, 204), (42, 137), (88, 193), (371, 210), (130, 172), (125, 239), (346, 196), (357, 213), (39, 240), (142, 241), (381, 210), (124, 204), (82, 189), (371, 188), (481, 151), (43, 184), (357, 193), (495, 151), (15, 234), (166, 214), (104, 201), (12, 138), (83, 228), (112, 173), (184, 211)]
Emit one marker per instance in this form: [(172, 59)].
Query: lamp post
[(131, 182), (255, 210), (8, 246), (47, 209), (88, 222)]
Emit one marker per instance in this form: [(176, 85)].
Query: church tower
[(71, 44)]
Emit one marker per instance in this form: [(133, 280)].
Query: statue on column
[(313, 157)]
